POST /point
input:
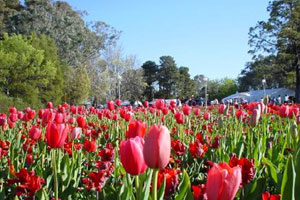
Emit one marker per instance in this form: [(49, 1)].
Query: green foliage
[(132, 85), (167, 80), (77, 85), (168, 75), (11, 101), (7, 9), (54, 90), (185, 85), (150, 73), (218, 89), (279, 37), (32, 74), (76, 41)]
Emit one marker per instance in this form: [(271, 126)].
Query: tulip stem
[(55, 173), (137, 184), (154, 184)]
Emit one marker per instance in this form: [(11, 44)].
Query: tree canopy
[(278, 39)]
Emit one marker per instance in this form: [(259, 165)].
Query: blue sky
[(208, 36)]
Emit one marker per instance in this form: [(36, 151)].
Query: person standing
[(286, 99), (278, 100)]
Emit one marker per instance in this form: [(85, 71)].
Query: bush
[(6, 101)]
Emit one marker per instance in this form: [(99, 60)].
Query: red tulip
[(110, 105), (27, 183), (20, 115), (239, 114), (29, 159), (186, 109), (284, 111), (206, 116), (196, 111), (165, 110), (30, 114), (47, 117), (115, 117), (173, 104), (13, 117), (59, 118), (12, 109), (294, 111), (35, 133), (146, 104), (136, 128), (90, 146), (222, 108), (71, 120), (81, 121), (56, 134), (199, 192), (247, 166), (268, 196), (49, 105), (160, 104), (2, 119), (118, 102), (223, 182), (132, 157), (172, 180), (178, 147), (179, 117), (157, 148), (197, 149)]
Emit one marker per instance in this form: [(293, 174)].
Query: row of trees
[(64, 59), (49, 53), (275, 46), (166, 80)]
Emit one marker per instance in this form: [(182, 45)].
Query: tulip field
[(222, 152)]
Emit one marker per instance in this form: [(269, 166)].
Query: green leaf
[(146, 187), (272, 169), (288, 181), (161, 191), (255, 189), (297, 168), (184, 186)]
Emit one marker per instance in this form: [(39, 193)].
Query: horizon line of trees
[(49, 53)]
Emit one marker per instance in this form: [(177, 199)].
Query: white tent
[(256, 95)]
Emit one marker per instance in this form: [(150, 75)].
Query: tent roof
[(256, 95)]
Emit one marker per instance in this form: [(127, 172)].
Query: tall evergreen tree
[(150, 74), (168, 75), (24, 70), (280, 36)]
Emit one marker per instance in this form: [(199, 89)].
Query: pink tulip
[(76, 133), (132, 157), (223, 182), (35, 133), (157, 148), (255, 117)]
